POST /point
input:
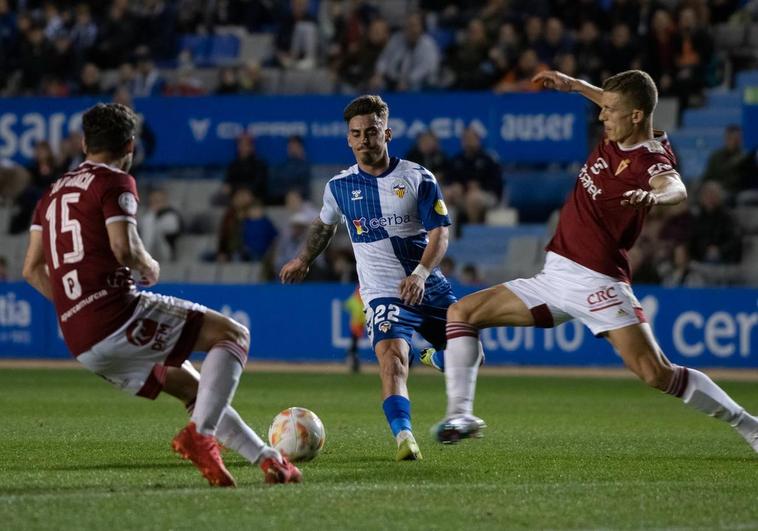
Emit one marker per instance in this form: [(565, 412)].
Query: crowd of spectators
[(61, 48)]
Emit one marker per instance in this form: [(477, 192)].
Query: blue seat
[(731, 99), (708, 117), (747, 78), (223, 49), (197, 45)]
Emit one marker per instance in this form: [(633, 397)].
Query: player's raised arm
[(319, 236), (128, 249), (559, 81), (34, 271)]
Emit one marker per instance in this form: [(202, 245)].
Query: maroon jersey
[(595, 230), (93, 294)]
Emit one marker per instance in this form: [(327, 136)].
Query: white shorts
[(160, 333), (565, 290)]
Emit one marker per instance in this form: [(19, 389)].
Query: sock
[(397, 409), (462, 355), (234, 434), (219, 377), (698, 391), (438, 359)]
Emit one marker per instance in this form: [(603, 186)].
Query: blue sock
[(438, 358), (397, 409)]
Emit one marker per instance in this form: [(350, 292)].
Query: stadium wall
[(696, 327), (200, 131)]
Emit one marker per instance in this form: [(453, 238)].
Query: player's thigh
[(218, 327), (638, 348), (495, 306)]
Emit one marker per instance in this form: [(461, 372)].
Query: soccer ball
[(297, 433)]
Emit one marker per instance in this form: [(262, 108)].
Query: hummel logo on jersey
[(622, 166), (357, 195), (360, 225)]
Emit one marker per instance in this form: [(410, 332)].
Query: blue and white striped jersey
[(388, 217)]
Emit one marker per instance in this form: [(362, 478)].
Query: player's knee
[(459, 311), (236, 333)]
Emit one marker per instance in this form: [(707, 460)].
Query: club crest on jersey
[(440, 207), (357, 195), (385, 326), (143, 331), (360, 226), (399, 189), (624, 164)]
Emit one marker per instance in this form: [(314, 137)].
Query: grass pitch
[(559, 453)]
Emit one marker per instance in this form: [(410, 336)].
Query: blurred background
[(241, 106)]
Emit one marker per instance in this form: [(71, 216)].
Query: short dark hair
[(108, 127), (637, 87), (366, 104)]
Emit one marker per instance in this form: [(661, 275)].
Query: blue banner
[(694, 327), (542, 127)]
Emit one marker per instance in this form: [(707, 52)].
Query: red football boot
[(284, 472), (203, 451)]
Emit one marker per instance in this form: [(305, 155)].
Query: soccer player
[(83, 247), (586, 274), (397, 221)]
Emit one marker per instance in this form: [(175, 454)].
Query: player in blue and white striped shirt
[(397, 221)]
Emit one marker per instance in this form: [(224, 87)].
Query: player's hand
[(150, 274), (294, 271), (639, 198), (412, 289), (555, 80)]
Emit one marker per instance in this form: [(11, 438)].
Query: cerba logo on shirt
[(362, 227)]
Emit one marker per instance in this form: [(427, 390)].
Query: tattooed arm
[(319, 236)]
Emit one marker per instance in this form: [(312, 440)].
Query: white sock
[(698, 391), (233, 433), (219, 377), (462, 356), (403, 435)]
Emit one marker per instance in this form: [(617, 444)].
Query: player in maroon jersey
[(83, 247), (586, 274)]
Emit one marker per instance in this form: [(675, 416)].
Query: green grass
[(559, 453)]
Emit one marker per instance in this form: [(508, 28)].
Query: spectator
[(292, 174), (124, 80), (729, 165), (61, 64), (145, 136), (291, 242), (642, 264), (715, 234), (250, 78), (13, 180), (469, 61), (505, 52), (84, 33), (474, 180), (44, 167), (447, 267), (89, 81), (3, 269), (693, 48), (34, 55), (679, 271), (186, 83), (117, 36), (161, 226), (519, 78), (555, 42), (247, 170), (357, 66), (621, 53), (470, 275), (258, 236), (227, 81), (410, 61), (70, 153), (297, 39), (231, 245), (589, 52), (295, 203), (659, 54), (148, 80), (428, 153)]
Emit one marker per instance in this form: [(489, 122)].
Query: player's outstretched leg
[(232, 432), (393, 366), (640, 352), (226, 343)]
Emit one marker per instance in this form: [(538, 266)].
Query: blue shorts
[(390, 318)]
